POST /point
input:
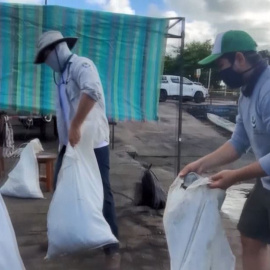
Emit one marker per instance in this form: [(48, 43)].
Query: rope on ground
[(123, 195)]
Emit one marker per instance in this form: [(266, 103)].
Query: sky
[(204, 18)]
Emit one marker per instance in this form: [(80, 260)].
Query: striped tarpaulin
[(128, 51)]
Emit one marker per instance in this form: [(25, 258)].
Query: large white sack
[(75, 219), (23, 180), (10, 258), (195, 236)]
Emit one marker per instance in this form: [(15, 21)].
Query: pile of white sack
[(75, 219)]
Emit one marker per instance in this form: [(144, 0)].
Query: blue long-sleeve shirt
[(253, 125)]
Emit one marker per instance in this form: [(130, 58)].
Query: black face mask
[(232, 78)]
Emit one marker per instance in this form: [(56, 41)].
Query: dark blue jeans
[(103, 160)]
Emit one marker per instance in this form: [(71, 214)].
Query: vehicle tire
[(198, 97), (184, 99), (47, 118), (163, 95)]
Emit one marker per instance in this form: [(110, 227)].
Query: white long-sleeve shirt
[(81, 76)]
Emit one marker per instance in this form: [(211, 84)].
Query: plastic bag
[(75, 218), (23, 180), (9, 253), (194, 232)]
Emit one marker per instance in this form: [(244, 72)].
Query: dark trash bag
[(152, 193)]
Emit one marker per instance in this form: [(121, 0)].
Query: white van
[(170, 88)]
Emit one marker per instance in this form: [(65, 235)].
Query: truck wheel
[(198, 97), (47, 118), (163, 95)]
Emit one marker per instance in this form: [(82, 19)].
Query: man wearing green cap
[(234, 53)]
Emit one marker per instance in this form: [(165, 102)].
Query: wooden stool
[(47, 159)]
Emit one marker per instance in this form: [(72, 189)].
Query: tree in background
[(193, 53), (266, 55)]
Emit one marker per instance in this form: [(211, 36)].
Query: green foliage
[(193, 53), (265, 54)]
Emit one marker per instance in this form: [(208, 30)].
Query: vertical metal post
[(45, 2), (180, 96), (209, 84), (209, 78)]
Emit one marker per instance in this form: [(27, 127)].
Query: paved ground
[(142, 237)]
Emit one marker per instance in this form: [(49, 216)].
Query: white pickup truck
[(170, 88)]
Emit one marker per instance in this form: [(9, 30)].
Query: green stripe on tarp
[(127, 50)]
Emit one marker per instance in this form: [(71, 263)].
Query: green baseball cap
[(230, 41)]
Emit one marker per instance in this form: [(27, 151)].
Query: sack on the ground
[(9, 253), (23, 180), (152, 193), (194, 232), (75, 218)]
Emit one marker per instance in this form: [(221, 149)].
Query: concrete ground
[(143, 243)]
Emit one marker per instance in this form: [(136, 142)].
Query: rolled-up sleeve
[(239, 139), (88, 80)]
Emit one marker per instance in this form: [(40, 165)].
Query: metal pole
[(45, 2), (180, 96), (172, 25), (209, 78), (208, 87)]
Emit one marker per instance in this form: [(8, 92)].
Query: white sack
[(23, 180), (194, 232), (75, 219), (10, 258)]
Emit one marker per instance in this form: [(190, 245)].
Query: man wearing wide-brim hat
[(80, 95), (234, 54)]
